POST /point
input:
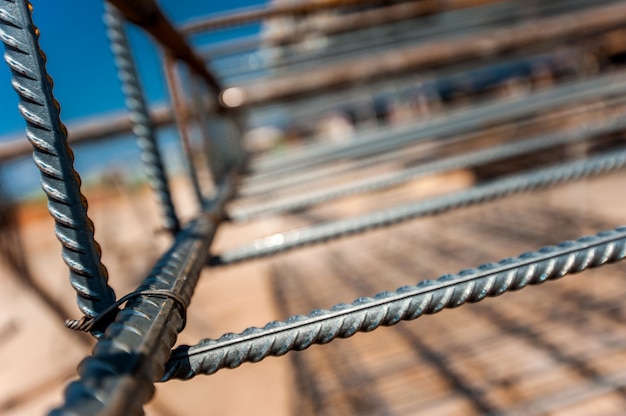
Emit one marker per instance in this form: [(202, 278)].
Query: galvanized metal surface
[(53, 157)]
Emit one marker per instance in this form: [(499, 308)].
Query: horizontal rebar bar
[(468, 160), (348, 22), (383, 21), (118, 378), (419, 152), (257, 14), (388, 308), (499, 188), (443, 125), (100, 127), (542, 30), (382, 35)]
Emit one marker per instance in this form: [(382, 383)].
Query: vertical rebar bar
[(142, 125), (53, 157), (118, 378), (212, 159), (182, 118)]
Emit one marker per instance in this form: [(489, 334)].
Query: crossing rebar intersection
[(134, 347)]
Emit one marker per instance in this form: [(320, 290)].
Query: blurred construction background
[(351, 107)]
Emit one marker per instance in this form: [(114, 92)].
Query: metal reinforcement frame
[(136, 332)]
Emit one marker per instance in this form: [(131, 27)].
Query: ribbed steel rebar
[(481, 193), (445, 125), (148, 15), (260, 13), (541, 31), (388, 308), (413, 154), (477, 158), (182, 117), (118, 378), (128, 358), (385, 35), (214, 163), (53, 157), (142, 125)]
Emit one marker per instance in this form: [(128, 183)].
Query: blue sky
[(85, 83), (73, 37)]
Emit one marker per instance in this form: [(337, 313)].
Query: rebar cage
[(430, 86)]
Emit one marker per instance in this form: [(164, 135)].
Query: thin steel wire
[(388, 308), (53, 157), (499, 188), (536, 144), (142, 126)]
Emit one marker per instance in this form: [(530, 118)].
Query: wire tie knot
[(86, 323)]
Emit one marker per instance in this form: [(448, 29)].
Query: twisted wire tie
[(86, 323)]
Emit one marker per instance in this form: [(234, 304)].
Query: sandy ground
[(39, 356)]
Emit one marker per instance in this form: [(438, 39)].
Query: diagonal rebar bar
[(539, 143), (445, 125), (53, 157), (388, 308), (499, 188), (118, 378), (142, 125), (148, 15)]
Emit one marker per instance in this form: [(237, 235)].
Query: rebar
[(527, 181), (375, 38), (388, 308), (118, 378), (257, 14), (540, 31), (143, 127), (214, 162), (87, 130), (444, 125), (379, 35), (53, 157), (468, 160), (148, 15), (418, 153), (346, 22), (181, 115)]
